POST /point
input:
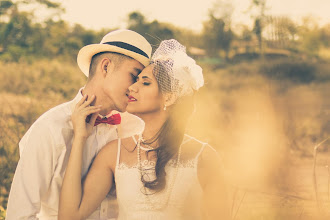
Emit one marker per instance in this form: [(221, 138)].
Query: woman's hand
[(77, 201), (82, 127)]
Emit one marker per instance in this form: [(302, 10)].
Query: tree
[(20, 36), (245, 40), (281, 31), (5, 5), (325, 35), (15, 35), (259, 17), (153, 31), (136, 19), (217, 31), (309, 36)]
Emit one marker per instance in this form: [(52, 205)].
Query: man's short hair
[(116, 58)]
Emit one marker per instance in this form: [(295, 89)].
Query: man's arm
[(33, 175)]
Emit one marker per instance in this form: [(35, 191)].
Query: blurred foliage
[(217, 32), (153, 31), (259, 21), (217, 36), (22, 37), (294, 71)]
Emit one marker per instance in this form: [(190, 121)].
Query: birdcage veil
[(176, 72)]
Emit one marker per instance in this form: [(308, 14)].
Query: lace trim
[(186, 164), (148, 164)]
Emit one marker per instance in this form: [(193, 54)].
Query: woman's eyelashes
[(144, 80)]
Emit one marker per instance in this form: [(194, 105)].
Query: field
[(264, 118)]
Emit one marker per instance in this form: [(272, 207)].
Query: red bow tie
[(112, 120)]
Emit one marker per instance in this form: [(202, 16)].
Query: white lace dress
[(182, 202)]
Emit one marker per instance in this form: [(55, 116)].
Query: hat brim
[(87, 52)]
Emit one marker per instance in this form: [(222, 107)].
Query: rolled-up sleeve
[(33, 174)]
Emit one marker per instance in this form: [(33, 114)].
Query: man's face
[(117, 82)]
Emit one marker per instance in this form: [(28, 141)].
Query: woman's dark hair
[(171, 134)]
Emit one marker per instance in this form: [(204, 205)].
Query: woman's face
[(144, 95)]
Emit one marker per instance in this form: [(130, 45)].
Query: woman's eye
[(146, 83)]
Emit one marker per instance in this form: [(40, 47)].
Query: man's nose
[(132, 88)]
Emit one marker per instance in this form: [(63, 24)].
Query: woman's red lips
[(131, 99)]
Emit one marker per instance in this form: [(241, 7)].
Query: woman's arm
[(77, 201), (211, 177)]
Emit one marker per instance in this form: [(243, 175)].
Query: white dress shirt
[(44, 154)]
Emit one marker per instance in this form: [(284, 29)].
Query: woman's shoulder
[(195, 146), (210, 164), (200, 150), (112, 146), (108, 153)]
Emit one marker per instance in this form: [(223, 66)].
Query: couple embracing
[(123, 134)]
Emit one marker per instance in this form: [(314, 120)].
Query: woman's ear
[(169, 99)]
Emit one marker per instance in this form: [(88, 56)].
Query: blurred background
[(265, 106)]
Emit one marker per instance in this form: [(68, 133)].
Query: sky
[(98, 14)]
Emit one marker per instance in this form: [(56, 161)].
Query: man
[(111, 67)]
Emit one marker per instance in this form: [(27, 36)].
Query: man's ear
[(107, 66)]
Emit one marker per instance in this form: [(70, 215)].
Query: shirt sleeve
[(33, 174)]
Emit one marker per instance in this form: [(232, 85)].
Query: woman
[(161, 173)]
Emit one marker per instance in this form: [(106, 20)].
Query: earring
[(164, 108)]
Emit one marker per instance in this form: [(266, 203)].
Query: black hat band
[(127, 47)]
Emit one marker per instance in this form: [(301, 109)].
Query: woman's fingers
[(88, 102), (81, 101), (93, 118), (82, 113), (84, 101), (91, 110)]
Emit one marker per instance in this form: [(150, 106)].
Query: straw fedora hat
[(122, 41)]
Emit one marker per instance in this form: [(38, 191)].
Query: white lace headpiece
[(175, 71)]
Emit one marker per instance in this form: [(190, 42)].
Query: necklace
[(170, 188), (147, 147)]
